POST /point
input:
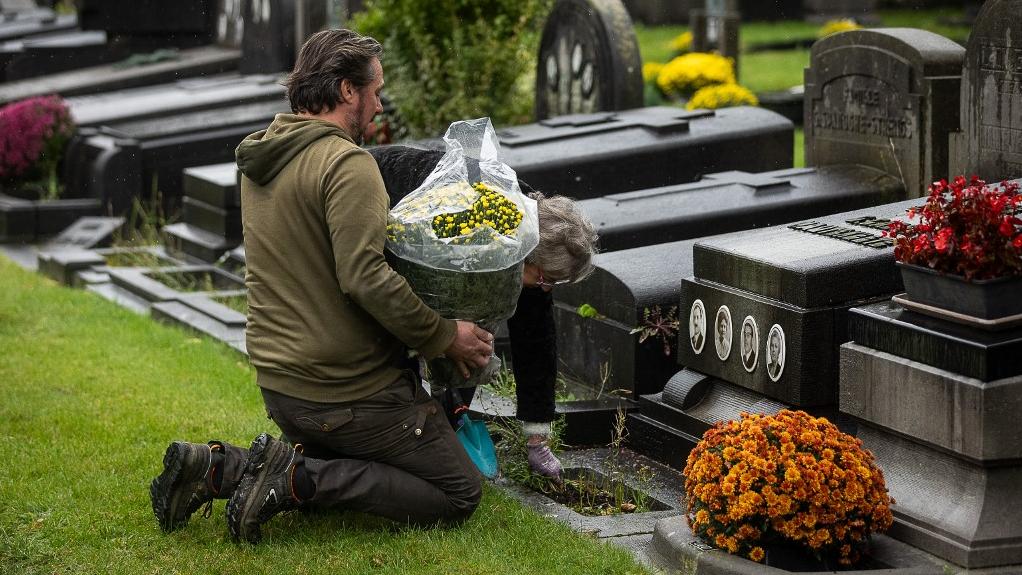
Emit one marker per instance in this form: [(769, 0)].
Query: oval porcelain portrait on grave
[(775, 352), (749, 344), (697, 326), (722, 332)]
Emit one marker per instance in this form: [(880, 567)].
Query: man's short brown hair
[(325, 59)]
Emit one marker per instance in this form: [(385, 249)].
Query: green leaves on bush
[(449, 60)]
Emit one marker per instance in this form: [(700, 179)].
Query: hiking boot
[(266, 489), (542, 460), (186, 483)]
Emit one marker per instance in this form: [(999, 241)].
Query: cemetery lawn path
[(92, 394)]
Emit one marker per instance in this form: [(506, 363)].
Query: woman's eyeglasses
[(543, 283)]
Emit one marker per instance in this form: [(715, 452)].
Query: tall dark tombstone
[(276, 29), (181, 24), (715, 28), (588, 60), (990, 144), (885, 98)]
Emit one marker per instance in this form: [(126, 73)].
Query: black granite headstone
[(591, 155), (886, 98), (588, 60), (990, 145), (268, 44), (796, 282), (732, 201), (824, 10), (715, 26), (195, 19)]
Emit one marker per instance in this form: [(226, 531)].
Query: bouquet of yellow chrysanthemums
[(461, 238), (788, 479)]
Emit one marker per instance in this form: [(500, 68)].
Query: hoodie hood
[(262, 155)]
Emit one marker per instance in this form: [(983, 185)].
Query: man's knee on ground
[(465, 502)]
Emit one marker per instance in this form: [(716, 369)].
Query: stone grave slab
[(773, 302), (77, 267), (224, 222), (970, 352), (200, 61), (588, 60), (190, 94), (121, 161), (17, 219), (203, 315), (188, 241), (58, 52), (146, 282), (886, 98), (216, 185), (587, 421), (668, 424), (85, 233), (601, 351), (735, 200), (912, 399), (591, 155), (18, 28), (34, 220), (664, 492), (990, 144)]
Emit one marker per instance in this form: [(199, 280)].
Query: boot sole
[(162, 490), (236, 512)]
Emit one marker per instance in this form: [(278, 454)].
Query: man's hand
[(472, 347)]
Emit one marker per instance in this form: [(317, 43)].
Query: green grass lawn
[(92, 394)]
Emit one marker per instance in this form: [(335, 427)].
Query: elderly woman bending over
[(567, 242)]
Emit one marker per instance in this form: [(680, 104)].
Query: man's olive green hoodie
[(328, 319)]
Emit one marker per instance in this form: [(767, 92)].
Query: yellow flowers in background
[(787, 478), (721, 96), (685, 74), (650, 71), (834, 26), (492, 209), (682, 43)]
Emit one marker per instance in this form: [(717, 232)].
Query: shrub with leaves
[(684, 75), (453, 59), (965, 228), (721, 96), (33, 133), (789, 478)]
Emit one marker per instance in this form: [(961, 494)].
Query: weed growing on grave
[(661, 325), (585, 492), (503, 384), (238, 303), (145, 220), (186, 282)]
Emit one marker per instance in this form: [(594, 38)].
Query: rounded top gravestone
[(884, 98), (992, 93), (588, 60)]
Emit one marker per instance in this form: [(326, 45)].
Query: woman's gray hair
[(567, 239)]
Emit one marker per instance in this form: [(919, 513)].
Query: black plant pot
[(985, 299)]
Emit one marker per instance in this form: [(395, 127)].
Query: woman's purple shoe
[(542, 461)]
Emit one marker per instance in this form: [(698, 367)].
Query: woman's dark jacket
[(531, 329)]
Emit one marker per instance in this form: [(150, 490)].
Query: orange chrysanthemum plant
[(781, 480)]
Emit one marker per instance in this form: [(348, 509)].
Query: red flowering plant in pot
[(33, 134), (790, 490), (964, 254)]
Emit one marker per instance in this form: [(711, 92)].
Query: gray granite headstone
[(588, 60), (884, 98), (715, 26), (990, 145)]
